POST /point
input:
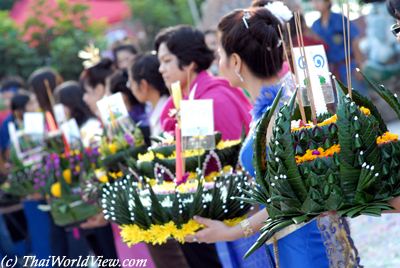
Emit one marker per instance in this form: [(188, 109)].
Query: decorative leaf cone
[(347, 163), (155, 213)]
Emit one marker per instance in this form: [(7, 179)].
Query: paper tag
[(320, 76), (197, 122), (59, 113), (34, 123), (112, 108), (71, 131)]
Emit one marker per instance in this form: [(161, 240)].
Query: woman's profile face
[(226, 67), (32, 105), (169, 67), (93, 95)]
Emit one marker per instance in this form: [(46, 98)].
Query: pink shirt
[(231, 107)]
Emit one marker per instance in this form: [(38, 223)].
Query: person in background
[(9, 86), (70, 95), (93, 81), (148, 86), (124, 55), (42, 82), (393, 7), (118, 82), (185, 57), (210, 36), (330, 29)]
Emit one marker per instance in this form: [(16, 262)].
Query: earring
[(240, 76)]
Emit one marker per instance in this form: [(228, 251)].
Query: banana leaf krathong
[(347, 163), (155, 213)]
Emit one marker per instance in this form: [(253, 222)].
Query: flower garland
[(159, 234), (311, 155), (387, 137)]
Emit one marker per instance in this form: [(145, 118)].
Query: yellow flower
[(158, 234), (211, 176), (103, 179), (188, 228), (115, 175), (310, 155), (227, 169), (56, 189), (226, 144), (77, 168), (147, 157), (235, 221), (386, 138), (328, 121), (365, 111), (131, 234), (67, 175), (113, 148)]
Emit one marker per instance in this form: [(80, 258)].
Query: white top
[(91, 132), (155, 124)]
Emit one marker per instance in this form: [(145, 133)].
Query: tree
[(157, 14), (58, 33), (17, 58)]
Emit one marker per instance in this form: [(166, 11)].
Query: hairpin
[(246, 16), (277, 45), (90, 55)]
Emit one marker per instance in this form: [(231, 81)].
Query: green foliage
[(158, 14), (6, 4), (50, 36), (17, 58)]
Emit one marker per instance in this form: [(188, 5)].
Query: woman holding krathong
[(251, 56)]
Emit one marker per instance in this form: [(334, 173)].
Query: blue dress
[(323, 242)]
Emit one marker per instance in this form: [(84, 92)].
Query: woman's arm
[(216, 231)]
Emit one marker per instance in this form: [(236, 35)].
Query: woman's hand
[(94, 222), (214, 231), (395, 202)]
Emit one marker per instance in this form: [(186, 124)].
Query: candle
[(178, 163), (51, 124)]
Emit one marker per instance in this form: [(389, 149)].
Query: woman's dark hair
[(19, 102), (146, 68), (118, 82), (40, 81), (259, 45), (260, 3), (188, 45), (97, 74), (70, 94), (124, 47), (393, 7), (11, 83)]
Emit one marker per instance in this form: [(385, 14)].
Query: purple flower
[(129, 139), (316, 152)]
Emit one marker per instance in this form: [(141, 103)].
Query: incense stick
[(299, 96), (308, 78), (345, 48), (349, 48), (49, 93)]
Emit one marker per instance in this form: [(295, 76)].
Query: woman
[(185, 57), (70, 95), (93, 80), (117, 82), (42, 82), (148, 86), (251, 56)]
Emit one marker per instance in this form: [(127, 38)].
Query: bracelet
[(246, 227)]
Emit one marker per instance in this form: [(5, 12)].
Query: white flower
[(280, 10)]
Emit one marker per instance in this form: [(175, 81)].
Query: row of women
[(251, 57)]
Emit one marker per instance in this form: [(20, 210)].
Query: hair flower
[(279, 10)]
